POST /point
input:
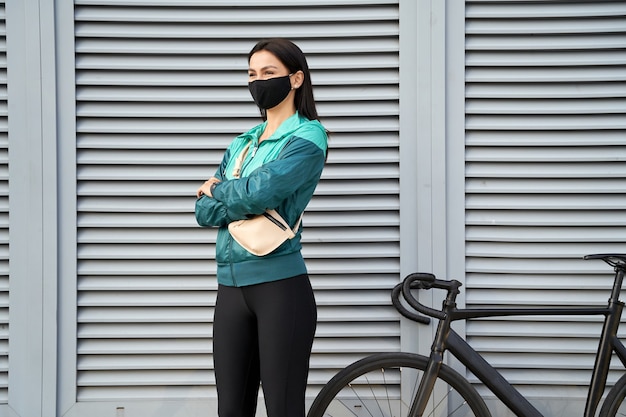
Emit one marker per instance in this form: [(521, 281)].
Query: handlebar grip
[(422, 281), (395, 299)]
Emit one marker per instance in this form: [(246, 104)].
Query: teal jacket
[(279, 173)]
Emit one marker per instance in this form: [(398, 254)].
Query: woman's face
[(264, 65)]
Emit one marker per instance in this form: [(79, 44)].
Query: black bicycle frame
[(448, 339)]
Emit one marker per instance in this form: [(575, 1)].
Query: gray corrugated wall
[(545, 143), (160, 92), (513, 167)]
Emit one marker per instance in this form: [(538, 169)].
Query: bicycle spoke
[(365, 393)]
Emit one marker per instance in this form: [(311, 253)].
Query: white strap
[(239, 161)]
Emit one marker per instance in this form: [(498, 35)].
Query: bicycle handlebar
[(426, 281), (421, 281)]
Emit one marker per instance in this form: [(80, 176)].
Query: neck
[(275, 117)]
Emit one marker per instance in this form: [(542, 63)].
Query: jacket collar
[(286, 127)]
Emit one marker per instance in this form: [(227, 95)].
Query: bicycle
[(379, 385)]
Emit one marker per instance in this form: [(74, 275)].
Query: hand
[(205, 189)]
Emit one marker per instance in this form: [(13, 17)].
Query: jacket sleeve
[(209, 211), (298, 166)]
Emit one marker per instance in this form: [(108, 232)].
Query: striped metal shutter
[(161, 91), (545, 179), (4, 214)]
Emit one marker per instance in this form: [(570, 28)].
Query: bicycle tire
[(362, 390), (614, 404)]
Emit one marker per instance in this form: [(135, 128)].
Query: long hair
[(293, 58)]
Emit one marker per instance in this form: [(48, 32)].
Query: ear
[(297, 79)]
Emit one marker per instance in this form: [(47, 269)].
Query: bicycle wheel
[(614, 404), (383, 385)]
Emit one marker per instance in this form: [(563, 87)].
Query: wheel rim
[(387, 391)]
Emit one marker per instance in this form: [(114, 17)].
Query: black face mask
[(270, 93)]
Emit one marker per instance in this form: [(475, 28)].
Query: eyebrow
[(264, 68)]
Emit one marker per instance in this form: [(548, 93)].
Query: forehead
[(263, 59)]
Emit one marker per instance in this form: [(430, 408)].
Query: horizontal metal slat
[(560, 333), (567, 347), (570, 263), (185, 219), (548, 234), (161, 204), (163, 362), (539, 74), (145, 314), (203, 330), (566, 169), (216, 143), (159, 125), (545, 106), (120, 95), (338, 176), (376, 186), (328, 281), (354, 142), (158, 377), (539, 298), (109, 164), (547, 138), (547, 202), (525, 217), (153, 283), (536, 281), (554, 58), (165, 299), (567, 361), (557, 25), (193, 298), (514, 250), (132, 394), (539, 10), (141, 331), (586, 154), (198, 62), (364, 346), (228, 3), (184, 110), (545, 91), (361, 264), (530, 122), (183, 239), (309, 11), (305, 26), (547, 185), (337, 73), (561, 42)]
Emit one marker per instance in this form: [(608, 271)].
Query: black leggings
[(263, 334)]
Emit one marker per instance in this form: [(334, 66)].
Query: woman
[(265, 313)]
